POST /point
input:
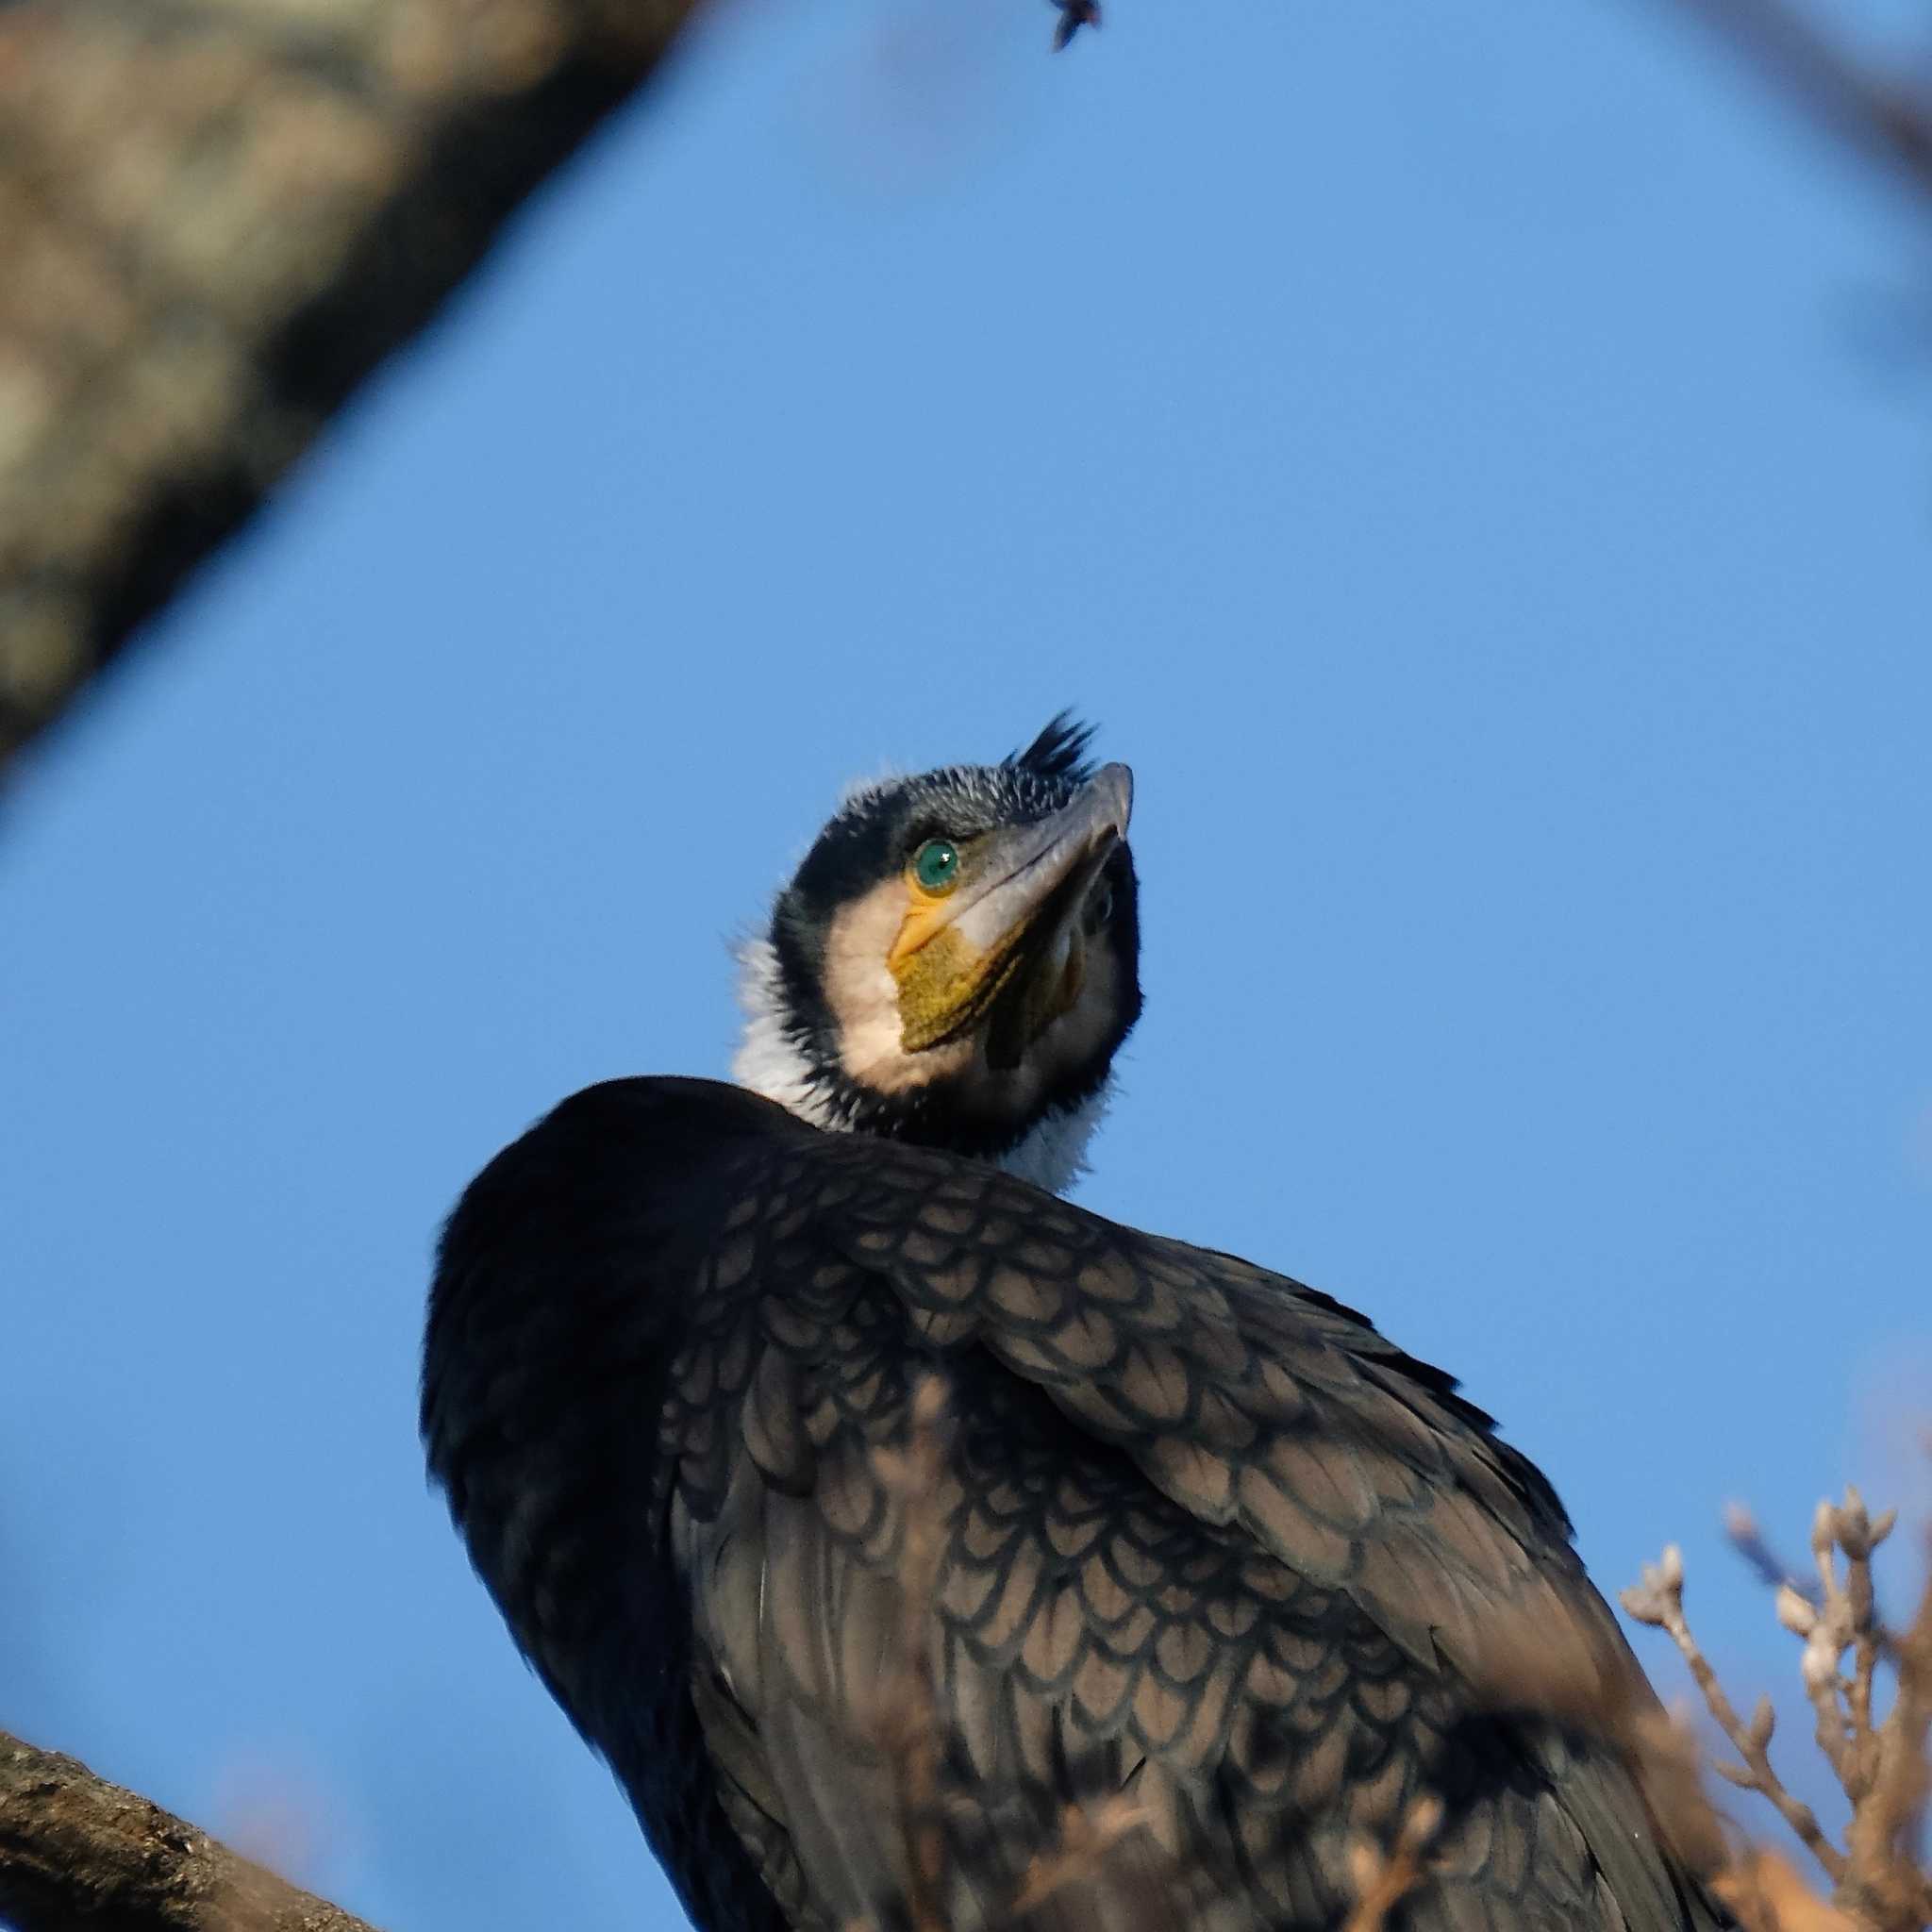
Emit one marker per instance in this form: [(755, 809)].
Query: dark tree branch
[(1886, 119), (217, 217), (76, 1852)]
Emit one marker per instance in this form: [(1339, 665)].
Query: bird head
[(957, 960)]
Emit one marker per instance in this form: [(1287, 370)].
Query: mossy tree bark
[(216, 218), (77, 1852)]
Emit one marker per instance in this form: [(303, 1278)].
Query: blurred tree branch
[(1888, 119), (217, 217), (77, 1851)]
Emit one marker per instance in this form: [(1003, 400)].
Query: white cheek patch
[(864, 998)]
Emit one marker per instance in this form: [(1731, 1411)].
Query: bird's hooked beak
[(1006, 945)]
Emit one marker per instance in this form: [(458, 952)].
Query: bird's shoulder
[(1231, 1381), (797, 1271)]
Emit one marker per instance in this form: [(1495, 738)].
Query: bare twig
[(1748, 1539), (1887, 1885), (913, 1733), (1659, 1600), (1075, 14), (1767, 1893), (1086, 1836), (77, 1851), (914, 1729), (1854, 1531), (1879, 1881), (1382, 1881)]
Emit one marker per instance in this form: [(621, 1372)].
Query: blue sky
[(1475, 469)]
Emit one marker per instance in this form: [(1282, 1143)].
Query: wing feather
[(1204, 1536)]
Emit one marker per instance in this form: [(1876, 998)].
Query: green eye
[(935, 864)]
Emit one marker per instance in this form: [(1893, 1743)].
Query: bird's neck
[(776, 1060)]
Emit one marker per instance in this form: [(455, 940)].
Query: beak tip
[(1115, 784)]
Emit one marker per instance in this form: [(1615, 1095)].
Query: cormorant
[(1193, 1533)]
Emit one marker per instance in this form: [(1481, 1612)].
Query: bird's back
[(1192, 1550)]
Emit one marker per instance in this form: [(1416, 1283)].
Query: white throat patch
[(768, 1061)]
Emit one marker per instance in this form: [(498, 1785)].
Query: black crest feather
[(1059, 751)]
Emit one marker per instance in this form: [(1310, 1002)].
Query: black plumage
[(1206, 1536)]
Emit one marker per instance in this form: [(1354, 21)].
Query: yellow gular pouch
[(947, 986)]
